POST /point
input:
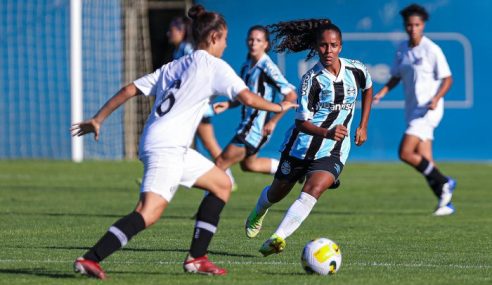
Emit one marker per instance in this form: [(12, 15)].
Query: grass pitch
[(381, 217)]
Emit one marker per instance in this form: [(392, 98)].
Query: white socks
[(296, 214), (263, 204), (274, 166)]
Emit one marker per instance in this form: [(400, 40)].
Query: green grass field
[(381, 217)]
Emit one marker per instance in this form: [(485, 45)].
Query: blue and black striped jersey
[(326, 100), (265, 80)]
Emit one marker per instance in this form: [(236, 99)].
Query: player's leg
[(202, 173), (232, 154), (253, 163), (322, 174), (206, 134), (161, 179), (443, 192), (270, 195)]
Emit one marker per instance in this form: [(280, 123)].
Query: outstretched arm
[(93, 125), (270, 125), (387, 88), (250, 99)]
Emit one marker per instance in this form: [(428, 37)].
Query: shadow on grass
[(38, 272), (88, 215), (130, 249)]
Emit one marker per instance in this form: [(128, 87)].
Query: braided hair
[(300, 35)]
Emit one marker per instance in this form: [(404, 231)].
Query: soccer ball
[(321, 256)]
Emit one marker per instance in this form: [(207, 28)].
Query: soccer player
[(264, 78), (182, 89), (179, 35), (318, 144), (422, 67)]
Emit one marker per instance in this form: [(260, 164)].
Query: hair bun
[(196, 11)]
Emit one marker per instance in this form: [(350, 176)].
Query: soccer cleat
[(447, 193), (445, 210), (253, 223), (202, 265), (274, 244), (89, 268)]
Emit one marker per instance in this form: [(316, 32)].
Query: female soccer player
[(318, 144), (264, 78), (422, 67), (179, 35), (182, 89)]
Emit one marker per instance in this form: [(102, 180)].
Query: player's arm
[(361, 132), (336, 133), (443, 89), (93, 125), (387, 88), (272, 123), (248, 98)]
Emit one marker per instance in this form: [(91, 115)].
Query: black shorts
[(250, 149), (292, 168)]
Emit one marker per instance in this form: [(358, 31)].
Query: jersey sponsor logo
[(335, 107), (285, 168)]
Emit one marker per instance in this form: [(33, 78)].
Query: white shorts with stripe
[(165, 170)]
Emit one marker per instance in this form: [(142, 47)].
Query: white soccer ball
[(321, 256)]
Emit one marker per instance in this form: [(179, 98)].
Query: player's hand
[(82, 128), (221, 107), (286, 105), (337, 133), (268, 128), (377, 98), (433, 103), (360, 136)]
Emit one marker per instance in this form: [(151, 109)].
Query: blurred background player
[(318, 144), (422, 67), (182, 89), (264, 78)]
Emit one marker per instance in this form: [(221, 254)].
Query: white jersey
[(182, 90), (421, 69)]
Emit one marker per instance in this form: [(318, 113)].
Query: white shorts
[(423, 126), (165, 170)]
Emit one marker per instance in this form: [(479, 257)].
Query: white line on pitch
[(366, 264)]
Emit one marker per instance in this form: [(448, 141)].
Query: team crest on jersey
[(351, 91), (285, 168)]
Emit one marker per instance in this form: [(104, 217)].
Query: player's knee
[(404, 155), (222, 187), (247, 166), (315, 189)]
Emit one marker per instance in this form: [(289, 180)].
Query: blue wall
[(459, 27)]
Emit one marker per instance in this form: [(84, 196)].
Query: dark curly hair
[(204, 22), (414, 10), (300, 35)]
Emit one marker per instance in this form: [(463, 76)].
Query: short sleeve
[(302, 112), (365, 80), (277, 78), (225, 81), (147, 84), (441, 68)]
